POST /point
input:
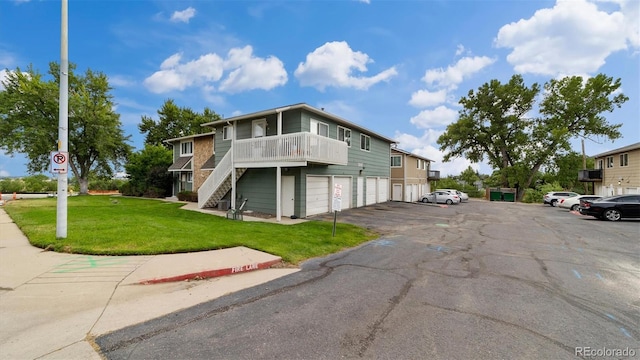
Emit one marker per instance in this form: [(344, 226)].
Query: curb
[(207, 274)]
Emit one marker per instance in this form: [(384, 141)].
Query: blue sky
[(395, 67)]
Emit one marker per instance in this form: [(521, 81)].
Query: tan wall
[(202, 151), (630, 175), (413, 175)]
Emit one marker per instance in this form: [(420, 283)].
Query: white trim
[(182, 154), (345, 138), (363, 146), (261, 123)]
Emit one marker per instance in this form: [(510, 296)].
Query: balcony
[(296, 149), (591, 175), (433, 175)]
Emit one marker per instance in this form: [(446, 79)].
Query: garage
[(317, 195), (371, 191), (383, 190), (345, 181)]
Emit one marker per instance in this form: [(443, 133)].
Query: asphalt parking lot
[(481, 280)]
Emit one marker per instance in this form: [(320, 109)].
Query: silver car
[(463, 195), (441, 197)]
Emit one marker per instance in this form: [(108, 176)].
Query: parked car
[(613, 208), (573, 203), (443, 197), (463, 195), (553, 197)]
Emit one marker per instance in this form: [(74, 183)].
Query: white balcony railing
[(295, 147)]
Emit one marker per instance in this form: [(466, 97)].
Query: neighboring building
[(409, 175), (288, 160), (193, 161), (617, 172)]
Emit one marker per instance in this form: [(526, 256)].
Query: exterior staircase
[(218, 184)]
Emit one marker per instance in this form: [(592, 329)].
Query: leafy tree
[(147, 170), (175, 122), (469, 176), (494, 123), (29, 113)]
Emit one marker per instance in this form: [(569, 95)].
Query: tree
[(175, 122), (29, 113), (494, 123), (469, 176), (147, 170)]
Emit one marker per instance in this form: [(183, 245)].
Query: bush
[(190, 196)]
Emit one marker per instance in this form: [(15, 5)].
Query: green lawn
[(105, 225)]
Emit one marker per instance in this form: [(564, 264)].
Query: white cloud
[(459, 50), (251, 72), (454, 75), (246, 72), (178, 76), (184, 15), (425, 98), (438, 117), (572, 37), (3, 77), (333, 63), (423, 146), (121, 81)]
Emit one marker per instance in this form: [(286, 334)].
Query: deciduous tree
[(174, 122), (497, 124), (30, 121)]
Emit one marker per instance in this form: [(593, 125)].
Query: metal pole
[(61, 214)]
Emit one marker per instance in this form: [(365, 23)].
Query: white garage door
[(317, 195), (346, 191), (371, 191), (383, 190), (396, 192)]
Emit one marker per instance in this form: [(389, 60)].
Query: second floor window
[(610, 161), (624, 159), (226, 133), (600, 164), (344, 134), (186, 148), (365, 142), (396, 161)]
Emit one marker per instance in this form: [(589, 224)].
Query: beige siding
[(408, 175), (620, 179), (202, 151)]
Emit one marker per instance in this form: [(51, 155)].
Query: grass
[(105, 225)]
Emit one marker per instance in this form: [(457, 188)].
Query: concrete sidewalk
[(52, 305)]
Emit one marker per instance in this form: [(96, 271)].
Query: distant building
[(617, 172)]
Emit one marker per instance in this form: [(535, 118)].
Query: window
[(365, 142), (259, 128), (624, 159), (419, 164), (610, 161), (186, 148), (396, 161), (344, 134), (600, 164), (190, 177), (226, 132), (319, 128)]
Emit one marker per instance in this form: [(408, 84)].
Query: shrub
[(190, 196)]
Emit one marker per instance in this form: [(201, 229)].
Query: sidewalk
[(53, 304)]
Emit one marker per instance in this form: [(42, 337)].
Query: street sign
[(337, 198), (59, 162)]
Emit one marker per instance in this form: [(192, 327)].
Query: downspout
[(404, 177)]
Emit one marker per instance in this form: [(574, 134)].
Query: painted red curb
[(213, 273)]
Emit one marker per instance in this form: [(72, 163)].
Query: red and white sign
[(59, 162)]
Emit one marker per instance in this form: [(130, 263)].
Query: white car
[(463, 195), (573, 203), (443, 197)]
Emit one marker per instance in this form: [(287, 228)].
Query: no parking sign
[(59, 162)]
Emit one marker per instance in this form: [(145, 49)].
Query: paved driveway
[(480, 280)]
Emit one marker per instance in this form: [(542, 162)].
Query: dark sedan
[(612, 208)]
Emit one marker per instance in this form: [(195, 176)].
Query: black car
[(612, 208)]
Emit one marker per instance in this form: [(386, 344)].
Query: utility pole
[(63, 125)]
